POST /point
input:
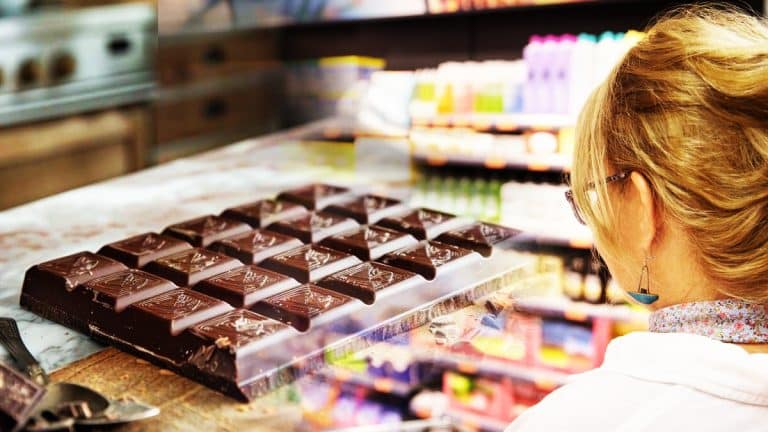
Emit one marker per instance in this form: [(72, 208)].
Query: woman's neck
[(754, 348)]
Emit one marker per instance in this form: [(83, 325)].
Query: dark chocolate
[(370, 242), (363, 281), (298, 306), (225, 346), (315, 226), (19, 395), (119, 290), (317, 196), (190, 267), (48, 287), (255, 246), (427, 258), (480, 237), (265, 212), (155, 323), (205, 230), (368, 209), (310, 262), (245, 286), (139, 250), (424, 224)]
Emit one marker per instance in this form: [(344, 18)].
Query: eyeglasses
[(569, 194)]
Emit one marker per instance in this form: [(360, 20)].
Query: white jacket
[(658, 382)]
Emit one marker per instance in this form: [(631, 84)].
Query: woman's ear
[(647, 215)]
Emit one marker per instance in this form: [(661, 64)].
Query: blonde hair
[(688, 109)]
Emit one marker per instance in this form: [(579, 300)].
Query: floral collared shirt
[(729, 320)]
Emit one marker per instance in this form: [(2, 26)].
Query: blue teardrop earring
[(643, 293)]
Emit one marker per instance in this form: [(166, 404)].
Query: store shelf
[(579, 311), (554, 163), (499, 123), (381, 385), (544, 379)]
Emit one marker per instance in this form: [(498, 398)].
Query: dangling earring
[(643, 293)]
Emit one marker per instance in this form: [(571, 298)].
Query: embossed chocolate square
[(255, 246), (190, 267), (68, 272), (424, 224), (19, 396), (298, 306), (370, 242), (119, 290), (245, 286), (368, 209), (264, 212), (310, 262), (50, 289), (171, 313), (139, 250), (479, 237), (364, 280), (205, 230), (316, 196), (236, 329), (315, 226), (430, 258)]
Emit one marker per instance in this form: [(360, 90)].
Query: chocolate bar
[(229, 314), (316, 196), (205, 230), (264, 212), (138, 251), (48, 287), (428, 258), (315, 226), (244, 286), (298, 306), (19, 395), (368, 209), (479, 237), (190, 267), (424, 224), (365, 280), (370, 242), (310, 262), (255, 246)]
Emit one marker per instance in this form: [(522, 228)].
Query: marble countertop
[(149, 200)]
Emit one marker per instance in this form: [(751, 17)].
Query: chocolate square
[(190, 267), (364, 280), (245, 286), (139, 250), (310, 262), (370, 242), (174, 311), (315, 226), (423, 223), (299, 306), (265, 212), (49, 288), (255, 246), (368, 209), (228, 345), (480, 237), (205, 230), (119, 290), (428, 258), (316, 196), (19, 396)]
